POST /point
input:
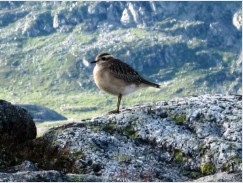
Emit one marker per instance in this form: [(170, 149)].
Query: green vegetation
[(130, 131), (229, 166), (51, 69), (207, 168), (191, 174), (179, 118), (140, 32), (179, 157), (121, 157), (110, 127), (43, 127)]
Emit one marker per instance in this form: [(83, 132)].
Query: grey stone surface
[(48, 176), (177, 140), (16, 124), (28, 172), (222, 177), (25, 166)]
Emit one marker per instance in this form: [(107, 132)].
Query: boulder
[(25, 166), (16, 124), (196, 138), (221, 177), (127, 18), (28, 172)]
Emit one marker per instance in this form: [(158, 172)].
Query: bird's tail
[(151, 84)]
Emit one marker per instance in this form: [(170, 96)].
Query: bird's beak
[(93, 62)]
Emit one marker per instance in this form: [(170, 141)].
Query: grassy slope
[(37, 68)]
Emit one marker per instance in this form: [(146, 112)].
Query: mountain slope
[(190, 48)]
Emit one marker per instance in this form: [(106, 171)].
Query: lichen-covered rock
[(176, 140), (25, 166), (16, 124), (49, 176), (28, 172), (221, 177)]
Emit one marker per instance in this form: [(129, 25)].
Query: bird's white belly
[(112, 85), (129, 89)]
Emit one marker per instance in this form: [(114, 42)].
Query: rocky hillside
[(188, 47), (41, 114), (185, 139)]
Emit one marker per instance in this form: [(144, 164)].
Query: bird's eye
[(103, 58)]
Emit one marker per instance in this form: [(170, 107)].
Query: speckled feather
[(126, 72)]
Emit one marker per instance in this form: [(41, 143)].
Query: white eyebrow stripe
[(107, 56)]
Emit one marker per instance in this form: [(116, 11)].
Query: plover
[(117, 78)]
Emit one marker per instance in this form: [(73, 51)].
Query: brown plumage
[(117, 78), (124, 71)]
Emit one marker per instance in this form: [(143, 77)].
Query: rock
[(221, 177), (169, 34), (112, 13), (28, 172), (41, 114), (177, 140), (237, 19), (37, 25), (9, 17), (25, 166), (134, 11), (127, 18), (55, 21), (49, 176), (16, 124)]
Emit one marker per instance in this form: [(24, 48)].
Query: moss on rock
[(110, 127), (179, 157), (207, 168), (229, 165), (178, 118), (130, 131)]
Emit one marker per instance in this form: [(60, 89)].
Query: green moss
[(179, 157), (150, 111), (233, 160), (200, 148), (191, 174), (129, 131), (110, 127), (195, 174), (207, 168), (179, 119), (121, 157)]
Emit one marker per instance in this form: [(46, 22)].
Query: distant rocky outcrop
[(197, 138), (41, 114), (46, 47)]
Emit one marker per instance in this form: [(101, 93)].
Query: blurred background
[(190, 48)]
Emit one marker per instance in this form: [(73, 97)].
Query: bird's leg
[(118, 105), (118, 102)]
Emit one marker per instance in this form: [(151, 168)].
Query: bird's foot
[(114, 112)]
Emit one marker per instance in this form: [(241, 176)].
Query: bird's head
[(103, 57)]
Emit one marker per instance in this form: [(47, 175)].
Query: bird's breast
[(106, 81)]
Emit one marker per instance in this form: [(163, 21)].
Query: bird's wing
[(124, 71)]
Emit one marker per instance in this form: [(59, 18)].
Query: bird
[(117, 78)]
